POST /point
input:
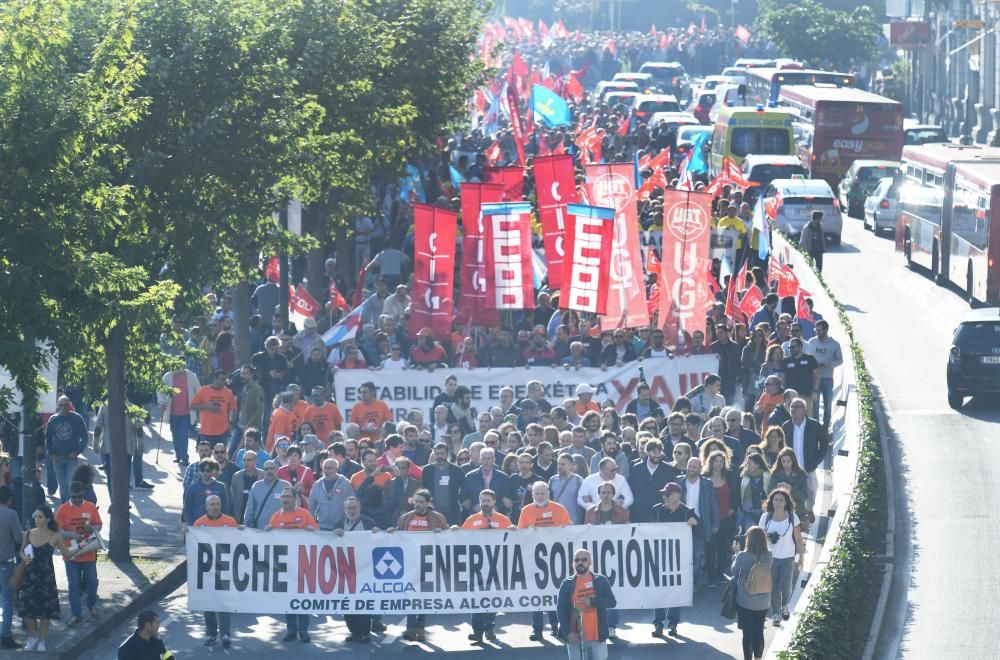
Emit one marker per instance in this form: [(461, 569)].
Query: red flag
[(590, 232), (559, 30), (653, 300), (731, 305), (514, 102), (359, 290), (802, 311), (273, 270), (742, 34), (713, 284), (511, 178), (773, 269), (509, 271), (788, 282), (664, 41), (613, 186), (741, 277), (574, 89), (772, 206), (702, 23), (656, 180), (518, 69), (623, 126), (543, 30), (662, 159), (652, 30), (300, 301), (555, 185), (751, 302), (652, 261), (685, 275), (493, 154), (472, 307), (433, 270), (612, 46), (336, 298)]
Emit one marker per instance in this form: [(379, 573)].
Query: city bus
[(838, 125), (948, 204), (740, 131), (764, 84)]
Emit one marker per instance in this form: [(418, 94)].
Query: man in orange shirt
[(584, 601), (282, 421), (300, 406), (368, 413), (323, 415), (79, 521), (423, 518), (543, 512), (216, 408), (486, 518), (293, 517), (216, 622)]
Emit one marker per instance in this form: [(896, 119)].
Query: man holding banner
[(584, 601), (486, 518), (543, 512)]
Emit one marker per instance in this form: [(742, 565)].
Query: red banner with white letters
[(472, 307), (433, 270), (555, 185), (509, 274), (613, 186), (511, 178), (590, 233), (685, 265)]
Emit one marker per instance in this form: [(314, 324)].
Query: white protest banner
[(294, 571), (403, 391)]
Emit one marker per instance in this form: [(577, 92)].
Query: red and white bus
[(948, 205), (764, 84), (839, 125)]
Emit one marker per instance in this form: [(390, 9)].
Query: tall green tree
[(811, 32)]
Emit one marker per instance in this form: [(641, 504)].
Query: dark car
[(974, 359)]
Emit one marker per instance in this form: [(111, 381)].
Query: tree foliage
[(812, 32)]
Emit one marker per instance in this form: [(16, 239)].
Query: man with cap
[(671, 510), (585, 399), (427, 354), (529, 413)]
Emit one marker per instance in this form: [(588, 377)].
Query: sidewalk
[(157, 553)]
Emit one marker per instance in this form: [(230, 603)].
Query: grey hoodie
[(261, 505), (327, 505)]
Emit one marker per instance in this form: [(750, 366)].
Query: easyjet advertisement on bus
[(846, 132)]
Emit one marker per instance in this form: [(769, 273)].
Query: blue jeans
[(595, 651), (180, 433), (826, 391), (414, 621), (483, 622), (64, 473), (613, 618), (6, 597), (51, 480), (81, 575), (234, 441), (136, 468), (217, 622), (297, 623), (698, 555)]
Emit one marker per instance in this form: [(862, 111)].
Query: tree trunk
[(315, 267), (241, 307), (120, 542), (29, 401)]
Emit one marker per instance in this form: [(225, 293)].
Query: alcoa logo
[(861, 126), (387, 563), (613, 191)]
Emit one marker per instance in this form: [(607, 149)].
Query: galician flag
[(549, 107), (346, 329)]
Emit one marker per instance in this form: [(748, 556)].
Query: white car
[(880, 206), (674, 119), (647, 105), (799, 198), (605, 87), (614, 98)]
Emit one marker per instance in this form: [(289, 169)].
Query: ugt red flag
[(472, 307), (802, 311), (788, 282), (685, 295), (433, 270), (555, 183), (509, 274), (512, 179), (336, 298), (590, 232), (613, 186), (751, 302)]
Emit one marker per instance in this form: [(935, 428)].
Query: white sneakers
[(41, 646), (35, 644)]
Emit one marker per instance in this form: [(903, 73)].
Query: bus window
[(922, 202), (759, 141), (970, 214)]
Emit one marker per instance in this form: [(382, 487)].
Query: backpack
[(758, 582)]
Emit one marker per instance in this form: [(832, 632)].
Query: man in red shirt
[(297, 474), (427, 353)]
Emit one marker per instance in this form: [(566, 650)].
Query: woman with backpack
[(784, 540), (752, 571)]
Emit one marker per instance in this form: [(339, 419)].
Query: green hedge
[(837, 621)]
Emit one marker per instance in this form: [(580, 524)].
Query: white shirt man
[(588, 497)]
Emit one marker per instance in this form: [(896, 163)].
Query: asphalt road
[(945, 461), (703, 634)]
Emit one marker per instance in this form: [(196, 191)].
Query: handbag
[(17, 577), (729, 599)]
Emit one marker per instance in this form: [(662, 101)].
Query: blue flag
[(549, 107), (411, 183), (456, 177), (698, 163)]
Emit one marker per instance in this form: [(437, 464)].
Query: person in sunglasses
[(196, 494), (584, 601), (78, 522)]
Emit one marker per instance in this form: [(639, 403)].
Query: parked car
[(914, 133), (880, 206), (670, 76), (605, 87), (647, 84), (859, 181), (627, 98), (974, 358), (799, 198)]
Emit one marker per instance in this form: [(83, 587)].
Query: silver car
[(880, 206), (799, 198)]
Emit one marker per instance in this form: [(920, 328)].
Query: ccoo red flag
[(433, 270), (509, 270), (511, 178), (590, 232)]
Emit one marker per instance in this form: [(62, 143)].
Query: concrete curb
[(156, 592)]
